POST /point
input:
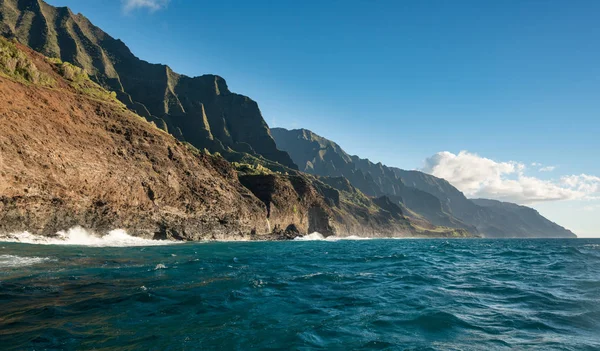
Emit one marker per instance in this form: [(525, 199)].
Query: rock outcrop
[(67, 159)]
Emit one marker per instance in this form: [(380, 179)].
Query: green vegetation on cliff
[(16, 65)]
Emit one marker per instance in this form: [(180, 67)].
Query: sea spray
[(80, 236), (316, 236), (13, 261)]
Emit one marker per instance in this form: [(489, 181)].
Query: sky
[(501, 98)]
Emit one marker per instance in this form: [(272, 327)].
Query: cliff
[(320, 156), (72, 154), (423, 196), (199, 110), (493, 218)]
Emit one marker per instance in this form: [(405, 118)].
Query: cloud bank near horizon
[(480, 177)]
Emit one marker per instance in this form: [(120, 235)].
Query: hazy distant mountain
[(200, 110), (523, 219), (431, 197)]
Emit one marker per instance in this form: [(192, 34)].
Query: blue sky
[(511, 82)]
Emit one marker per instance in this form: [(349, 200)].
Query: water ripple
[(303, 295)]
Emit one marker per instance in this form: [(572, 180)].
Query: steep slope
[(317, 155), (452, 200), (422, 195), (525, 220), (71, 154), (493, 218), (199, 110)]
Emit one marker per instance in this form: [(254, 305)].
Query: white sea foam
[(82, 237), (319, 237), (9, 261), (160, 266)]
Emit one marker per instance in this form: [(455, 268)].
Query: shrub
[(54, 60), (250, 169), (73, 73), (15, 64), (81, 82)]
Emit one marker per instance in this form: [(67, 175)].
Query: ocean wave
[(160, 266), (375, 294), (10, 261), (320, 237), (82, 237)]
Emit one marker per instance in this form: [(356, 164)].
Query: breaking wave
[(320, 237), (10, 261), (82, 237)]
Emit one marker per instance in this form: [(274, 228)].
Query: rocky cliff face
[(313, 206), (317, 155), (199, 110), (423, 196), (69, 158), (72, 155)]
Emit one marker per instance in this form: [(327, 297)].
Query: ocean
[(122, 293)]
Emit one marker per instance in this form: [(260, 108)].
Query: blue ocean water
[(307, 295)]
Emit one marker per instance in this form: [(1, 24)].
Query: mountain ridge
[(200, 110), (71, 155), (310, 152), (203, 112), (444, 204)]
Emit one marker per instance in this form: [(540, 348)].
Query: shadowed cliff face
[(423, 196), (199, 110), (292, 200)]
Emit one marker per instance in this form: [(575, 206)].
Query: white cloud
[(585, 183), (547, 169), (151, 5), (478, 176)]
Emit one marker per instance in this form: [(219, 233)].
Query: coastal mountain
[(258, 193), (317, 155), (491, 217), (71, 154), (422, 194), (199, 110), (524, 219)]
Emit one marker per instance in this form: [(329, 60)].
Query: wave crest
[(319, 237), (10, 261)]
